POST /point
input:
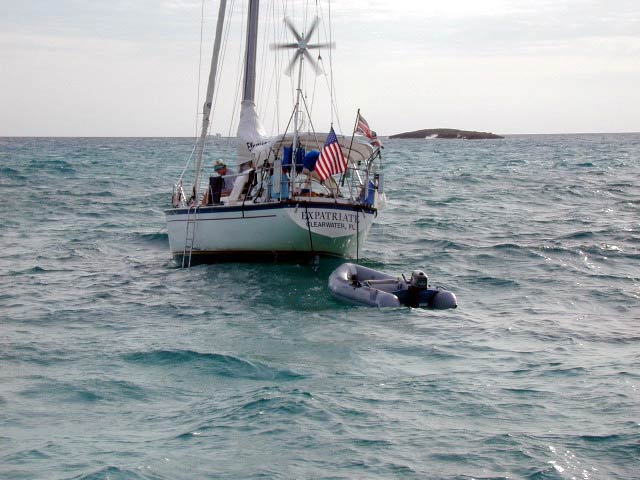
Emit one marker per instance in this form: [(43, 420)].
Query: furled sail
[(251, 134), (250, 130)]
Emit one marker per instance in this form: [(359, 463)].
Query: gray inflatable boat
[(366, 286)]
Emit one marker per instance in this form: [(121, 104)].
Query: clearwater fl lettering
[(339, 220)]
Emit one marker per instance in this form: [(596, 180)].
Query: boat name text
[(252, 145), (339, 220)]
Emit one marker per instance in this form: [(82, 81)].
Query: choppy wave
[(36, 270), (85, 391), (8, 173), (159, 238), (116, 473), (212, 363)]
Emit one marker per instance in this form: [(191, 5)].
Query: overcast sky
[(130, 67)]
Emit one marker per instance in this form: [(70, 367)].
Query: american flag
[(364, 129), (331, 159)]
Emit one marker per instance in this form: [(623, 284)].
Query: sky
[(132, 67)]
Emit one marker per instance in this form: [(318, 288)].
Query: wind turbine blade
[(312, 62), (287, 21), (292, 64), (312, 29), (282, 46), (322, 45)]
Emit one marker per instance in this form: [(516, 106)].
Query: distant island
[(447, 133)]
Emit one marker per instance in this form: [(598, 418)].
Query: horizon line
[(235, 136)]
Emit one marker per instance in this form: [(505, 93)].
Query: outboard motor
[(417, 284)]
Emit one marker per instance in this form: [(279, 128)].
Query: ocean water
[(116, 364)]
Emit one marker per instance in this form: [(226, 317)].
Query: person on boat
[(221, 169), (227, 177)]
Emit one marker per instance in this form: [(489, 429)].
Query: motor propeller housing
[(419, 280)]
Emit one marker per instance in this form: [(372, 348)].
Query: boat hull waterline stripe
[(219, 219), (250, 207)]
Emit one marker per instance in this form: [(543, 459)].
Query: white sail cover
[(251, 133)]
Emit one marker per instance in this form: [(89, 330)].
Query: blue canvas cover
[(310, 159), (286, 160)]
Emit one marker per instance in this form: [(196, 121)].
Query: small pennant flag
[(364, 129), (331, 159)]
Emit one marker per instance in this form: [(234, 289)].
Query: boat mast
[(248, 94), (206, 109)]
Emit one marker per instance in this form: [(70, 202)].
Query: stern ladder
[(190, 235)]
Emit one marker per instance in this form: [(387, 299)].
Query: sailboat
[(300, 194)]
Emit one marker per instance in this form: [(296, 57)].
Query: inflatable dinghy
[(366, 286)]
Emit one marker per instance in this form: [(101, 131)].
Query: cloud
[(435, 62), (458, 27)]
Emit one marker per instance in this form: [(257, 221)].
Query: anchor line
[(306, 210), (357, 236)]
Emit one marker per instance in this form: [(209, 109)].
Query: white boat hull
[(280, 230)]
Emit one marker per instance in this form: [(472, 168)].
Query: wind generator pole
[(296, 112), (206, 109), (302, 46)]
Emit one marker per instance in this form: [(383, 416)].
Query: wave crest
[(212, 363)]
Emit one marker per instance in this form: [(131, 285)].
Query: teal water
[(116, 364)]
